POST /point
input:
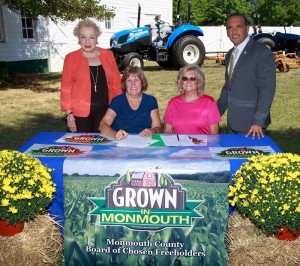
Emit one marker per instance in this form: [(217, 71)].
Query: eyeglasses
[(188, 79)]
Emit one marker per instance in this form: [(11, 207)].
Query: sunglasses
[(188, 79)]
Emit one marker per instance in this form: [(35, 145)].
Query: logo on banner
[(57, 151), (146, 200), (88, 139), (241, 152)]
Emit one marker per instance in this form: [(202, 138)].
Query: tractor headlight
[(113, 43)]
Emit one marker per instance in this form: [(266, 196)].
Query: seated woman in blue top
[(133, 111)]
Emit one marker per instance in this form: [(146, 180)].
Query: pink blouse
[(192, 117)]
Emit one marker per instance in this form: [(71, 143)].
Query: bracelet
[(69, 114)]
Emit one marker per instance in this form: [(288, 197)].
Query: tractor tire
[(287, 68), (188, 50), (267, 42), (133, 59), (280, 67)]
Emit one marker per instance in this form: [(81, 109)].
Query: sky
[(112, 166)]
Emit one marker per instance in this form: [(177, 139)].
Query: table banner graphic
[(135, 141), (145, 212), (53, 150), (239, 152)]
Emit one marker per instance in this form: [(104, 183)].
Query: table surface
[(197, 168), (134, 150), (131, 151)]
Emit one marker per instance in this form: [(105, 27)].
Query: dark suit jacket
[(248, 95)]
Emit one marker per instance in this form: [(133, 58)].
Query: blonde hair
[(198, 74), (87, 23)]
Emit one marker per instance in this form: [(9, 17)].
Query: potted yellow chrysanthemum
[(26, 187), (266, 189)]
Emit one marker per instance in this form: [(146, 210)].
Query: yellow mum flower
[(257, 213), (286, 207), (245, 204), (6, 181), (242, 196), (13, 210), (4, 202)]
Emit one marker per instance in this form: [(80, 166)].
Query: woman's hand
[(121, 134), (148, 132), (71, 123)]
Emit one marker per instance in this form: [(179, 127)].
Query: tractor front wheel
[(133, 59), (267, 42), (188, 50)]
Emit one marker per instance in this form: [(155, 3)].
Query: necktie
[(232, 61)]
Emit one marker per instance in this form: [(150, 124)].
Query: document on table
[(184, 140), (135, 141)]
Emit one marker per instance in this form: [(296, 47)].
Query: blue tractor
[(170, 46), (284, 42)]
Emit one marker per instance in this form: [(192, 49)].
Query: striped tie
[(232, 61)]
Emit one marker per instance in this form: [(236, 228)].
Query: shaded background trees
[(66, 10), (204, 13), (267, 12)]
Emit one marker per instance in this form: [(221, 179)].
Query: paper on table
[(184, 140), (135, 141)]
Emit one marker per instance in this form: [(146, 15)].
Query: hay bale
[(40, 243), (248, 246)]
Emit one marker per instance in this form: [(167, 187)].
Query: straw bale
[(248, 246), (40, 243)]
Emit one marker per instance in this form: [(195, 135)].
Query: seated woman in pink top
[(191, 112)]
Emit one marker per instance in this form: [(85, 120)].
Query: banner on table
[(145, 212)]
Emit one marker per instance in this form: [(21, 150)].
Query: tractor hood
[(289, 36), (128, 36)]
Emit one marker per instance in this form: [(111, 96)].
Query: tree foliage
[(215, 12), (66, 10), (203, 12), (279, 12)]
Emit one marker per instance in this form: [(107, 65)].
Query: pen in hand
[(121, 134), (125, 132)]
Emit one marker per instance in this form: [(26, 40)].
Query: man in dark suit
[(248, 94)]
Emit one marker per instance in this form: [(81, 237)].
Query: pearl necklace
[(94, 80)]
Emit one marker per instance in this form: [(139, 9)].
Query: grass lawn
[(30, 104)]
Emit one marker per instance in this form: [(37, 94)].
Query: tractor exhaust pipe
[(139, 16), (189, 12), (178, 13)]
